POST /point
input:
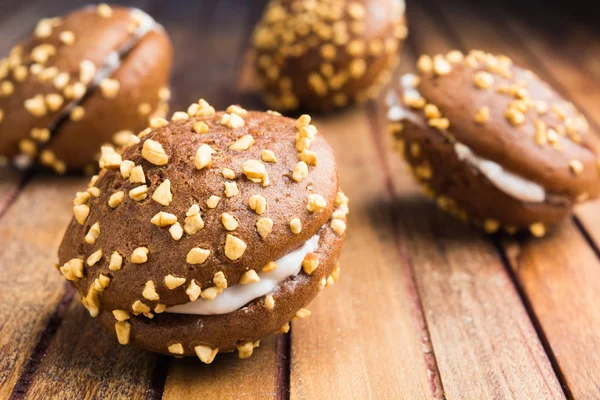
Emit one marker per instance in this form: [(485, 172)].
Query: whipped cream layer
[(514, 185), (235, 297)]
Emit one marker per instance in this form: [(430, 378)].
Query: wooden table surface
[(425, 308)]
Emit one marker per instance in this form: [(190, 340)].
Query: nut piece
[(258, 203), (116, 198), (300, 171), (247, 349), (213, 201), (93, 234), (197, 255), (338, 226), (316, 203), (193, 291), (203, 156), (264, 226), (229, 222), (173, 282), (116, 261), (94, 258), (154, 152), (139, 193), (268, 156), (220, 280), (162, 195), (249, 276), (121, 315), (176, 348), (228, 173), (149, 292), (163, 219), (126, 167), (205, 353), (537, 229), (231, 189), (302, 313), (193, 220), (81, 213), (310, 263), (139, 255), (269, 302), (176, 231), (123, 330), (137, 175), (243, 143), (296, 225), (234, 247), (270, 266), (72, 269)]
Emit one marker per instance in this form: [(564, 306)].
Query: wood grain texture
[(227, 377), (559, 275), (363, 333), (30, 233)]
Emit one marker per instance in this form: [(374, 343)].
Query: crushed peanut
[(264, 226), (197, 255), (173, 282), (249, 276), (139, 255), (154, 152), (234, 247)]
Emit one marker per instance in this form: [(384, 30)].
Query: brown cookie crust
[(50, 73), (250, 323), (345, 55), (128, 225), (501, 113)]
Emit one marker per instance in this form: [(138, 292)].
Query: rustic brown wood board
[(426, 307)]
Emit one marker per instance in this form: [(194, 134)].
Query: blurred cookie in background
[(92, 77), (493, 143), (326, 54)]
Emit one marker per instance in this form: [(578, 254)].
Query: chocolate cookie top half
[(508, 115), (206, 193)]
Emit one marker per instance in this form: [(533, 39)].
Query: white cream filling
[(511, 184), (235, 297)]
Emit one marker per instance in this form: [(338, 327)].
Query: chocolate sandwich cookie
[(492, 142), (326, 54), (213, 231), (92, 77)]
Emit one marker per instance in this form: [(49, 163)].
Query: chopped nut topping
[(94, 191), (93, 233), (203, 156), (176, 348), (138, 308), (154, 152), (303, 313), (110, 159), (193, 291), (338, 226), (243, 143), (269, 302), (193, 220), (110, 88), (229, 222), (92, 302), (440, 66), (310, 262), (36, 106), (413, 100), (81, 198), (576, 166), (139, 193), (54, 101), (116, 261), (160, 308), (300, 171), (67, 37), (104, 10), (258, 203), (77, 113), (94, 258), (439, 123), (233, 109), (72, 269), (176, 231), (126, 167), (483, 79), (264, 226), (123, 330), (296, 225), (211, 293), (205, 110), (232, 121), (285, 328), (149, 292), (255, 171), (173, 282), (316, 203), (228, 173), (515, 116), (101, 282), (249, 276), (220, 280), (81, 213), (234, 247), (163, 219), (180, 116), (270, 266), (87, 71), (162, 195), (537, 229), (200, 127), (268, 156), (231, 189), (491, 225), (206, 354), (309, 157), (482, 115), (139, 255), (197, 255), (213, 201), (121, 315), (137, 175)]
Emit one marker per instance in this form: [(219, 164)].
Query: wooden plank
[(559, 275), (30, 233), (484, 341), (363, 339)]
